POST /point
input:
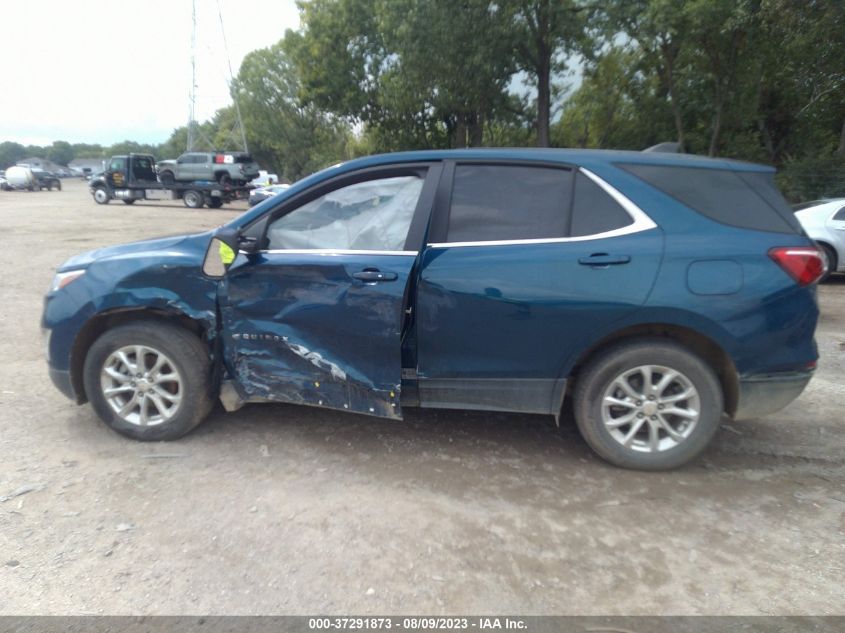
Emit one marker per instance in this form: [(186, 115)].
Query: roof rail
[(670, 147)]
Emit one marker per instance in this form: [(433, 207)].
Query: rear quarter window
[(594, 211), (748, 200)]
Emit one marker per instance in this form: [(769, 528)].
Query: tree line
[(758, 80)]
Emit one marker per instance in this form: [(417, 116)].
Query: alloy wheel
[(141, 385), (650, 408)]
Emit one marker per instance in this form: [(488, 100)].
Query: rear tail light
[(804, 264)]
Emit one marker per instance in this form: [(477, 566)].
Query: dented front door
[(316, 318)]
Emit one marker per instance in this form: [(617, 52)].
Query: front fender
[(170, 283)]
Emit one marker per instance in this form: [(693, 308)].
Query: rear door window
[(748, 200), (840, 215), (508, 202)]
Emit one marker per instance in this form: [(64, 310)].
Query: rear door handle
[(603, 259), (375, 275)]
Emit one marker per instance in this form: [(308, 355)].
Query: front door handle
[(603, 259), (372, 274)]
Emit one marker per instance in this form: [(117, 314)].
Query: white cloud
[(102, 72)]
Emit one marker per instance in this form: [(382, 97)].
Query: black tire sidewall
[(175, 344), (598, 374), (832, 261)]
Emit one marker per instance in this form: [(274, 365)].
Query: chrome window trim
[(642, 222), (333, 252)]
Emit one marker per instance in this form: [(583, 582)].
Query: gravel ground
[(292, 510)]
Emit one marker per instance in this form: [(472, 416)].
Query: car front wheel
[(648, 405), (149, 381), (101, 196)]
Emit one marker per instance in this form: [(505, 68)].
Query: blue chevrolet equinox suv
[(658, 292)]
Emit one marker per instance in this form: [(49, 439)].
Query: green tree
[(283, 133), (61, 152), (545, 35), (10, 153), (88, 150), (417, 73)]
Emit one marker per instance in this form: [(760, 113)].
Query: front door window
[(372, 216)]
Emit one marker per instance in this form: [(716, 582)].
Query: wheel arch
[(826, 243), (710, 351), (109, 319)]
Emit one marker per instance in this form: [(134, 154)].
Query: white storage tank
[(18, 177)]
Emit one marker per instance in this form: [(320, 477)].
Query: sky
[(100, 71)]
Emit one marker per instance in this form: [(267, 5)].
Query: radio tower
[(238, 132), (192, 98)]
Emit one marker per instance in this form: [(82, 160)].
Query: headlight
[(63, 279)]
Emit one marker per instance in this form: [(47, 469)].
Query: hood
[(184, 245)]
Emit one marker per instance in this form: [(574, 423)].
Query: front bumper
[(61, 378), (767, 393)]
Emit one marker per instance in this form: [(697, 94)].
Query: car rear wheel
[(129, 201), (166, 177), (101, 196), (215, 203), (149, 381), (648, 404), (224, 179), (831, 261)]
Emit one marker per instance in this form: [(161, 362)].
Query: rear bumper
[(768, 393)]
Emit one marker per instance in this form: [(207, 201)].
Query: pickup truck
[(224, 168), (133, 177)]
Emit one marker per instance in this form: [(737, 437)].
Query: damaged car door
[(315, 316)]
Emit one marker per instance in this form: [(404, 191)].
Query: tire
[(832, 261), (193, 199), (215, 203), (58, 186), (101, 196), (183, 355), (224, 180), (166, 177), (599, 422), (130, 201)]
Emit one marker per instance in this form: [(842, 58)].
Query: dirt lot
[(283, 509)]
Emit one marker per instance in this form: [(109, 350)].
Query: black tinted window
[(748, 200), (840, 215), (594, 210), (508, 202)]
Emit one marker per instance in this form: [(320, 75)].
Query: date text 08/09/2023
[(417, 623)]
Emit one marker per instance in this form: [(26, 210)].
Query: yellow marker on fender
[(227, 255)]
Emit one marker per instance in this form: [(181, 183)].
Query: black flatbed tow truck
[(132, 177)]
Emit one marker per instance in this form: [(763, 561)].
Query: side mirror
[(221, 252)]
